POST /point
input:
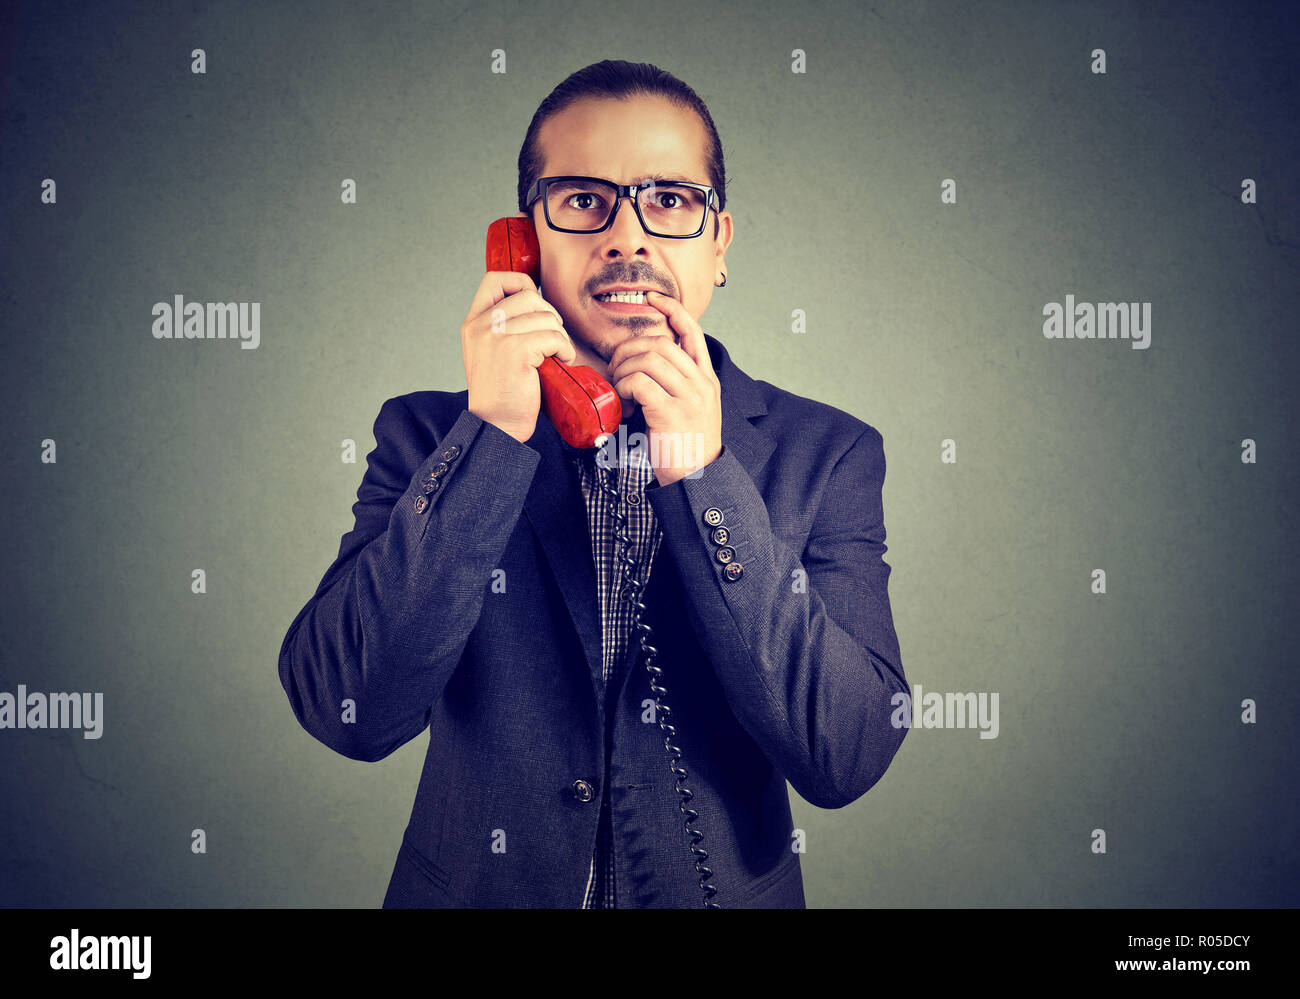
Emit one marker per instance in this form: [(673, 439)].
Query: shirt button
[(582, 790), (725, 555), (719, 535), (421, 504), (713, 516), (732, 572), (450, 452)]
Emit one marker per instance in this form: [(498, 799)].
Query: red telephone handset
[(580, 403)]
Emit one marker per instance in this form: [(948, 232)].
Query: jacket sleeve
[(803, 643), (366, 659)]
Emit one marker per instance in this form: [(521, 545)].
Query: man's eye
[(662, 199), (584, 201)]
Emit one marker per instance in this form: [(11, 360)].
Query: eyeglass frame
[(540, 185)]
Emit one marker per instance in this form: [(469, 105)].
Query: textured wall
[(1120, 711)]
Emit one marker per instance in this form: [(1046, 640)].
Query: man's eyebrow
[(660, 178)]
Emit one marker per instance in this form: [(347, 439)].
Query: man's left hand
[(677, 389)]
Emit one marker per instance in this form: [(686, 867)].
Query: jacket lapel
[(556, 508), (557, 511)]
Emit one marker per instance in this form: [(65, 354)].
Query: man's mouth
[(627, 297)]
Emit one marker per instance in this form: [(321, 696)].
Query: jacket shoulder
[(410, 427), (425, 414), (818, 424)]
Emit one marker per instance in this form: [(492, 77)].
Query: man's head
[(626, 123)]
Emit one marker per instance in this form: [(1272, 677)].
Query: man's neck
[(590, 358)]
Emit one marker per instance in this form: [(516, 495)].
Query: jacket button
[(713, 516), (439, 470), (429, 487), (732, 572), (725, 555), (582, 790), (450, 452), (720, 535), (421, 504)]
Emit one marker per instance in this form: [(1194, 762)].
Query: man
[(547, 782)]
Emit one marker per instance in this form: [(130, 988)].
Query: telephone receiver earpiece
[(582, 405)]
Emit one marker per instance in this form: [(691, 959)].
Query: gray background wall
[(1119, 711)]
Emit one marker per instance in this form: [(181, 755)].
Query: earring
[(724, 282)]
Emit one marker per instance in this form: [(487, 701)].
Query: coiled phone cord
[(663, 712)]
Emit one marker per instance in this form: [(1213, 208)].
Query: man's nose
[(626, 231)]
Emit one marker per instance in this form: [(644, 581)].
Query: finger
[(657, 342), (499, 320), (667, 375), (505, 315), (658, 347), (532, 322), (519, 304), (542, 344), (641, 387), (692, 337), (494, 287)]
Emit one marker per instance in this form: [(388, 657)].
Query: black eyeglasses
[(673, 209)]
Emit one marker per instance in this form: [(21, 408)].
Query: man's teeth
[(631, 297)]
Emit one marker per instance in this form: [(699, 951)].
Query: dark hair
[(619, 79)]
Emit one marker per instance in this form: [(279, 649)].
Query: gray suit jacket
[(448, 611)]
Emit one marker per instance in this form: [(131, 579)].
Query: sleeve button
[(713, 516), (725, 555), (719, 535), (421, 504), (450, 452), (732, 572)]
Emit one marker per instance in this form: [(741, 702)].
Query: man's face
[(625, 141)]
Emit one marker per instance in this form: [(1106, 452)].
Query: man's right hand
[(509, 332)]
